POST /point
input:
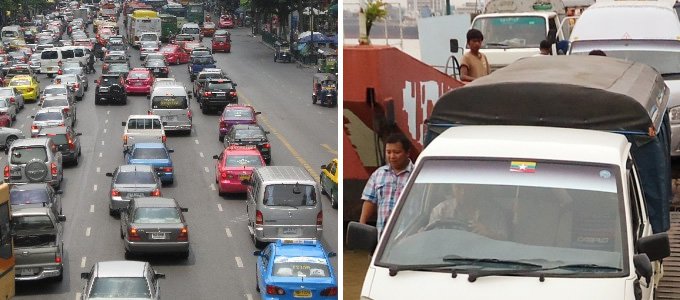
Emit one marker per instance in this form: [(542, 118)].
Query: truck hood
[(430, 285)]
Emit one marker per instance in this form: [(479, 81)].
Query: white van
[(51, 59), (643, 31), (171, 102), (10, 32), (79, 53), (193, 30)]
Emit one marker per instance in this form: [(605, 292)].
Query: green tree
[(375, 11)]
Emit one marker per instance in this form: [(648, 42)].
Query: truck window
[(511, 32), (144, 124), (49, 55), (634, 204), (32, 222)]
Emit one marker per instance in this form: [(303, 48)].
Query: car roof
[(49, 109), (30, 210), (144, 117), (135, 168), (155, 202), (282, 248), (123, 268), (56, 85)]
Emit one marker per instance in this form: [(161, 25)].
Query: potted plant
[(374, 11)]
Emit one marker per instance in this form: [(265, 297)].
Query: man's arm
[(464, 73), (367, 211)]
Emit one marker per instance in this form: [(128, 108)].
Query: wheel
[(122, 235), (257, 280), (274, 58), (221, 138), (258, 244), (113, 214), (334, 202), (79, 98), (96, 101), (77, 161), (329, 103)]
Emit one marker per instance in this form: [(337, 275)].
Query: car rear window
[(149, 153), (222, 86), (6, 92), (66, 54), (51, 54), (138, 75), (238, 114), (144, 124), (243, 161), (54, 103), (19, 82), (301, 266), (169, 102), (32, 222), (48, 116), (220, 38), (18, 197), (249, 134), (167, 49), (202, 60), (58, 139), (55, 91), (156, 215), (207, 76), (135, 177), (190, 30), (289, 195), (120, 287)]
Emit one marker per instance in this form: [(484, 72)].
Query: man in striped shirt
[(387, 182)]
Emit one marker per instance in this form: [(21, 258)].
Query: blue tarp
[(318, 38)]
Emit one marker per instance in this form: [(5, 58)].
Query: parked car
[(132, 181)]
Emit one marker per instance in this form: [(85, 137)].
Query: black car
[(217, 93), (110, 89), (35, 195), (158, 67), (249, 135), (66, 140)]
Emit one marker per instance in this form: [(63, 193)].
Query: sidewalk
[(300, 63)]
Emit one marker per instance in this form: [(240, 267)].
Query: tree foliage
[(375, 11)]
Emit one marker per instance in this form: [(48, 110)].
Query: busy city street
[(221, 264)]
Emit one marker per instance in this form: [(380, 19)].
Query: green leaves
[(375, 11)]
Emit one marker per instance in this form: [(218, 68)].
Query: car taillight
[(164, 138), (189, 114), (224, 174), (259, 220), (57, 259), (60, 63), (267, 145), (128, 81), (166, 169), (183, 234), (156, 193), (66, 110), (105, 67), (60, 72), (11, 100), (331, 291), (207, 94), (275, 290), (35, 127), (319, 218), (232, 93), (165, 70), (54, 169), (223, 124), (6, 172), (71, 145), (132, 234), (115, 193), (125, 139)]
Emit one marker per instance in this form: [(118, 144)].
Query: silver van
[(170, 101), (283, 202)]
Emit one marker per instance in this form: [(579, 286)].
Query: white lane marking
[(219, 207), (104, 130), (201, 154), (98, 170), (83, 261), (102, 143), (228, 231), (207, 170), (94, 187), (100, 154), (91, 208), (196, 141), (28, 117), (22, 126), (87, 232), (212, 186), (78, 296), (106, 121), (239, 262), (108, 112), (249, 296)]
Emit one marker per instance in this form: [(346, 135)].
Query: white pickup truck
[(143, 129)]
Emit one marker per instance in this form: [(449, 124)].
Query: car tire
[(258, 244), (313, 99), (77, 161), (257, 280), (96, 101), (221, 138), (79, 98)]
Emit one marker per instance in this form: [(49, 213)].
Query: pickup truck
[(143, 129), (38, 243)]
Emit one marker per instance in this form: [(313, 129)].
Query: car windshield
[(26, 154), (28, 196), (238, 114), (114, 58), (511, 32), (54, 103), (149, 153), (663, 56), (545, 213), (135, 178), (300, 266), (120, 287), (48, 116), (249, 134), (138, 75), (55, 91), (20, 82), (169, 102), (156, 63), (108, 80), (19, 71), (202, 60), (156, 215), (289, 195), (32, 223), (222, 86), (243, 161)]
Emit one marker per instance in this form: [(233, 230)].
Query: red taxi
[(139, 81), (226, 22), (236, 163), (221, 43), (103, 36), (174, 54), (208, 28)]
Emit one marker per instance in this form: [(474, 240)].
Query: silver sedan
[(132, 181)]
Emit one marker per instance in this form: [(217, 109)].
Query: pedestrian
[(387, 182), (545, 48), (474, 63), (597, 52)]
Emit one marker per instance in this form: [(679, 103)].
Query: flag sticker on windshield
[(523, 166)]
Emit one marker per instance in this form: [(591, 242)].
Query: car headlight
[(674, 115)]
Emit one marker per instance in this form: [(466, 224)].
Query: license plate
[(27, 271), (290, 231), (244, 177), (158, 235), (302, 294), (170, 118), (135, 195), (138, 84)]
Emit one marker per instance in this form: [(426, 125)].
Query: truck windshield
[(663, 56), (550, 214), (511, 32), (39, 222)]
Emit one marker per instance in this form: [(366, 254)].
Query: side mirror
[(61, 218), (184, 209), (257, 253), (32, 117), (85, 275), (109, 174), (79, 133), (643, 267), (123, 123), (323, 166), (171, 150), (158, 275), (216, 157), (656, 246), (332, 254), (361, 236), (453, 45), (59, 192), (258, 112)]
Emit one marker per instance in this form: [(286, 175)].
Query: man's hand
[(367, 211)]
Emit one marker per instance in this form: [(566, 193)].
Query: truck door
[(640, 226)]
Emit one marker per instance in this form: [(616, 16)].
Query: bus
[(7, 260), (196, 13), (142, 21), (174, 9), (168, 27)]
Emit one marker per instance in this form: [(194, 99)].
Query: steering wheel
[(448, 223)]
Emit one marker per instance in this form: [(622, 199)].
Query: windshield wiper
[(587, 266), (468, 260), (473, 276), (429, 267)]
